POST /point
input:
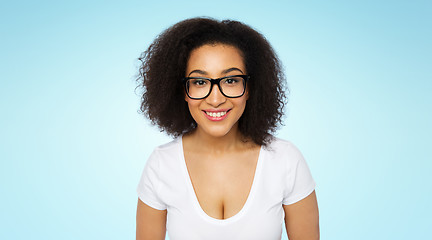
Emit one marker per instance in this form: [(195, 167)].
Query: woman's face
[(216, 115)]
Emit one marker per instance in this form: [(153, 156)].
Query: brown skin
[(221, 180), (222, 169), (302, 220), (215, 61), (150, 222)]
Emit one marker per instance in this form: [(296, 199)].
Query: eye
[(231, 81), (198, 82)]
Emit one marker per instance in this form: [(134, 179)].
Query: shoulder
[(170, 146), (166, 151), (284, 153), (281, 147)]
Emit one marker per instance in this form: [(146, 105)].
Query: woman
[(217, 87)]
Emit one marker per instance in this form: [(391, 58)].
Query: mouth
[(216, 115)]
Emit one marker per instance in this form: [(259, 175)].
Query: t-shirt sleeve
[(148, 186), (299, 183)]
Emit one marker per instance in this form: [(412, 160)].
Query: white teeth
[(214, 114)]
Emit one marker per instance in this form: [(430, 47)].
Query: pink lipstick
[(216, 115)]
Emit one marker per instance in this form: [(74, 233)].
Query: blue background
[(73, 146)]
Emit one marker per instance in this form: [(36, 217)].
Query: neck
[(217, 145)]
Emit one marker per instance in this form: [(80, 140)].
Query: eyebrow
[(223, 72)]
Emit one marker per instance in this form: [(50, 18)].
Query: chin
[(216, 132)]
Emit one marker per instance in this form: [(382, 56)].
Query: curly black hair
[(164, 65)]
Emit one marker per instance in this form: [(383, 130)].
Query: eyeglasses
[(230, 86)]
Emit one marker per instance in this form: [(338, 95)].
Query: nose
[(215, 98)]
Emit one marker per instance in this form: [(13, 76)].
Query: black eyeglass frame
[(216, 82)]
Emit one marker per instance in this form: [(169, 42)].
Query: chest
[(222, 186)]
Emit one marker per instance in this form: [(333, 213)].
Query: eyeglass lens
[(231, 87)]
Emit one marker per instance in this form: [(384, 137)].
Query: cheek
[(242, 101), (193, 105), (241, 104)]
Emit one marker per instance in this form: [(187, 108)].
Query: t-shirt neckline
[(196, 204)]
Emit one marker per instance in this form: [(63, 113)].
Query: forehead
[(214, 58)]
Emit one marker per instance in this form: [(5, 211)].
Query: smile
[(216, 115)]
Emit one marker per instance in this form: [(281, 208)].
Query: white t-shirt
[(282, 176)]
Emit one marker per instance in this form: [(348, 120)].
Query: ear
[(247, 93)]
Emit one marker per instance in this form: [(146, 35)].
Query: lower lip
[(216, 118)]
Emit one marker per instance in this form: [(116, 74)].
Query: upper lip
[(216, 110)]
